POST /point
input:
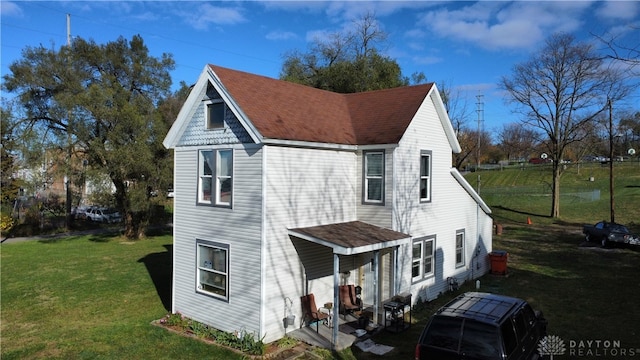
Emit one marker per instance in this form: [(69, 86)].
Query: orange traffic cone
[(529, 221)]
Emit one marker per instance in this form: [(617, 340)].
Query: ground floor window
[(213, 268), (423, 252)]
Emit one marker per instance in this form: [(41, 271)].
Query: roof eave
[(342, 250), (465, 184), (444, 119)]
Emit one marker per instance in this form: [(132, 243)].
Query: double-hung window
[(373, 179), (425, 175), (215, 179), (215, 112), (213, 269), (459, 248), (423, 255)]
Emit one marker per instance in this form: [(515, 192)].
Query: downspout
[(263, 242)]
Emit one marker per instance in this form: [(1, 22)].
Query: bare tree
[(517, 141), (619, 49), (458, 111), (560, 89)]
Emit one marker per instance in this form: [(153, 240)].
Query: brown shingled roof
[(287, 111), (351, 235)]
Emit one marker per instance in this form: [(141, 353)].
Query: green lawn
[(91, 298), (94, 297), (586, 293)]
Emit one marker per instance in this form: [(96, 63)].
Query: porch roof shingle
[(351, 237)]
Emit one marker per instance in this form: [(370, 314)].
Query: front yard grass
[(94, 297), (91, 297)]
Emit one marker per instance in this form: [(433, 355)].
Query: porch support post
[(376, 287), (336, 303), (396, 278)]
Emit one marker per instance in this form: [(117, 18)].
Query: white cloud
[(616, 10), (8, 8), (280, 35), (501, 25), (427, 60), (205, 14)]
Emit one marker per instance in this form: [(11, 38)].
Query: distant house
[(283, 190)]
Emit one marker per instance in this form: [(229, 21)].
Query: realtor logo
[(551, 345)]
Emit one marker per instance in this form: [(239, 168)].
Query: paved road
[(70, 233), (57, 236)]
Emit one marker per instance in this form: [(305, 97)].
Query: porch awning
[(353, 237)]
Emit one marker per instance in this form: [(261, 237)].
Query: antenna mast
[(480, 111)]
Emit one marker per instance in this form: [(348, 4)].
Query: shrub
[(239, 340)]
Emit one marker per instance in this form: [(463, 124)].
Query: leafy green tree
[(559, 90), (346, 62), (8, 159), (101, 99)]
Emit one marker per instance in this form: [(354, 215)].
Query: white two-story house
[(282, 190)]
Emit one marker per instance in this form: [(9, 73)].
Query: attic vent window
[(215, 115)]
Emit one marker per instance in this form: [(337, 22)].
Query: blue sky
[(468, 45)]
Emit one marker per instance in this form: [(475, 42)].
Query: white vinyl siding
[(450, 207), (240, 228), (300, 195)]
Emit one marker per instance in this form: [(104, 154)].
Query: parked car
[(80, 212), (607, 232), (104, 215), (484, 326)]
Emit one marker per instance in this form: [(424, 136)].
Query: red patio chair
[(310, 311), (346, 304)]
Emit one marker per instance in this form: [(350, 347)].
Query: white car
[(104, 215)]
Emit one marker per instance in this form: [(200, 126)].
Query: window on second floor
[(459, 248), (425, 175), (215, 177), (373, 177), (215, 115)]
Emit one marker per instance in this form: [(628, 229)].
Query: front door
[(367, 280)]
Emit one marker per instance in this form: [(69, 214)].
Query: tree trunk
[(555, 190)]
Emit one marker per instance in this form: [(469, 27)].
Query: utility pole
[(613, 217), (480, 111)]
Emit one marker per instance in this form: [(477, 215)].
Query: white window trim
[(423, 257), (200, 268), (365, 178), (219, 178), (201, 176), (462, 248), (206, 113), (215, 178), (427, 153)]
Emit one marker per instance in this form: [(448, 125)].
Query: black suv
[(482, 326)]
